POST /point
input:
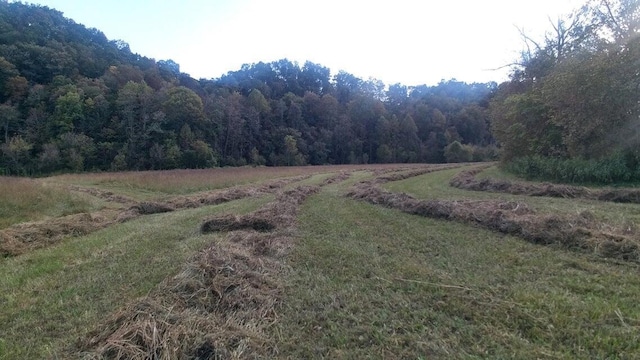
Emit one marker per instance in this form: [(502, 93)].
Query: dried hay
[(233, 223), (402, 174), (580, 232), (236, 193), (337, 178), (103, 194), (220, 305), (148, 208), (19, 238), (466, 180)]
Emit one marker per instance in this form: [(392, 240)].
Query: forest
[(74, 101), (571, 111)]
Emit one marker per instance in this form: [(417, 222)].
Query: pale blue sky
[(408, 41)]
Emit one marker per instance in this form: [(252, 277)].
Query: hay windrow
[(236, 193), (148, 208), (337, 178), (402, 174), (20, 238), (467, 180), (103, 194), (234, 223), (580, 232), (220, 305)]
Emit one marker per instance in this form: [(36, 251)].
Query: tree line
[(72, 100), (571, 111)]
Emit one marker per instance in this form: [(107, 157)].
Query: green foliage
[(456, 152), (63, 86), (575, 96), (621, 167)]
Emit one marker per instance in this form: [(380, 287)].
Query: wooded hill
[(73, 100)]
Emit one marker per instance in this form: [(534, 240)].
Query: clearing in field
[(395, 261)]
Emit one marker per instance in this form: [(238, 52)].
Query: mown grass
[(149, 184), (364, 281), (23, 199), (371, 282), (52, 297), (436, 186)]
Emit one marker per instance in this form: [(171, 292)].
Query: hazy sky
[(408, 41)]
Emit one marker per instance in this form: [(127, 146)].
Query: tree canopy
[(73, 100)]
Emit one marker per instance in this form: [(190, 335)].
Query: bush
[(456, 152), (621, 167)]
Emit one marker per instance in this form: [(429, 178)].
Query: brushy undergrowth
[(615, 169)]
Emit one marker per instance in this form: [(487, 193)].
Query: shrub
[(621, 167)]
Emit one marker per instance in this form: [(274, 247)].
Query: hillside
[(73, 100)]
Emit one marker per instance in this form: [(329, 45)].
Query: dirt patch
[(467, 180), (220, 305), (579, 232)]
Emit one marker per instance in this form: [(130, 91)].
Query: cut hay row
[(337, 178), (220, 306), (103, 194), (467, 180), (580, 232), (20, 238), (402, 174)]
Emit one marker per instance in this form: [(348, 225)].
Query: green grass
[(495, 172), (370, 282), (51, 297), (23, 199), (436, 186), (363, 281)]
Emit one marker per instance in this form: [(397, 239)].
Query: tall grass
[(617, 168), (23, 199)]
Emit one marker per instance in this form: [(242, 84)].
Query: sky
[(412, 42)]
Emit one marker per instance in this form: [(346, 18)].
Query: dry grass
[(23, 199), (578, 232), (174, 182), (20, 238), (467, 180), (24, 237), (106, 195), (397, 174), (337, 178), (220, 305)]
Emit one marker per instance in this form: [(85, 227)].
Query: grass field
[(322, 275)]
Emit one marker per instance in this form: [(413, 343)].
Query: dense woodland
[(571, 111), (73, 100)]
